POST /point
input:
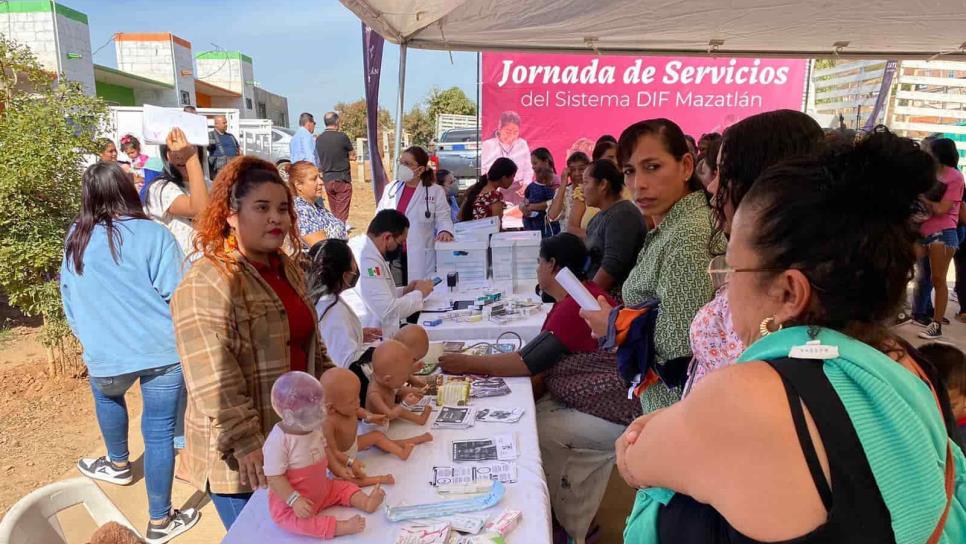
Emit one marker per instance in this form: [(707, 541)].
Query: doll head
[(340, 388), (297, 398), (415, 338), (392, 364)]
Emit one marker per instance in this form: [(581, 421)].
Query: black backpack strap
[(857, 508)]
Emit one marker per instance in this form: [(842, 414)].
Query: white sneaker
[(178, 522), (103, 469)]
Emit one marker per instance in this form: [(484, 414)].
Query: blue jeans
[(161, 389), (229, 506), (922, 294)]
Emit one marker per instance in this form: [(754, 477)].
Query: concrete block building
[(159, 56), (156, 68), (57, 35), (233, 70)]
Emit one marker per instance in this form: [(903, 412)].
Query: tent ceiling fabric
[(804, 28)]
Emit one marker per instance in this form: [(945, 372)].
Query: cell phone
[(437, 280)]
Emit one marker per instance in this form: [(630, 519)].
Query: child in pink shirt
[(296, 465)]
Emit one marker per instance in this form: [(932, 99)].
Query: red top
[(565, 323), (482, 206), (301, 323), (407, 195)]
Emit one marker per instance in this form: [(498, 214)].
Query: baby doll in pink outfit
[(295, 464)]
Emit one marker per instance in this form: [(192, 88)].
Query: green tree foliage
[(46, 128), (452, 100), (352, 116), (420, 128)]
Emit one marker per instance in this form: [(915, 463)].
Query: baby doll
[(415, 338), (341, 389), (392, 364), (295, 464)]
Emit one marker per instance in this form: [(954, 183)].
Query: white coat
[(341, 330), (386, 305), (421, 241)]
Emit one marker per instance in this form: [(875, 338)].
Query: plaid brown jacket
[(233, 337)]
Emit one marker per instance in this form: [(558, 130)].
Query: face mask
[(544, 297), (353, 281), (395, 254), (404, 173)]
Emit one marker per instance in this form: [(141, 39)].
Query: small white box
[(479, 229), (515, 257), (468, 258), (526, 253), (501, 258)]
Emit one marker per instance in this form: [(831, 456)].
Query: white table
[(451, 330), (528, 494)]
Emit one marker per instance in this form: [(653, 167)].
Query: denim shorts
[(947, 237)]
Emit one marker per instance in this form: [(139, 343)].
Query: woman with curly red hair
[(241, 320)]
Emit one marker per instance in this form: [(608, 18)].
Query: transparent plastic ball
[(297, 399)]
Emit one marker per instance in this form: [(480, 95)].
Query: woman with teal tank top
[(829, 429)]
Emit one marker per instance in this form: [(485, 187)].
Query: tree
[(452, 100), (352, 116), (421, 130), (46, 128)]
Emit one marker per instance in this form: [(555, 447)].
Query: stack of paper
[(499, 415), (455, 417), (489, 387)]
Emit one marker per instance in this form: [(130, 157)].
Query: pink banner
[(566, 102)]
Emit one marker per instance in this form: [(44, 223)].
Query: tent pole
[(399, 107)]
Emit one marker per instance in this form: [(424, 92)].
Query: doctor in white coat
[(423, 201), (386, 305)]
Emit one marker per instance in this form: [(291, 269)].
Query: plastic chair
[(33, 519)]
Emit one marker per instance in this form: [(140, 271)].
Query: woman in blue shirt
[(445, 179), (121, 268)]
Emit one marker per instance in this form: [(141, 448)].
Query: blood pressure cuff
[(541, 353)]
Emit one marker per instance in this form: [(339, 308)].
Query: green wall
[(116, 94)]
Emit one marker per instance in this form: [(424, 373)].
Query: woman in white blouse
[(334, 270)]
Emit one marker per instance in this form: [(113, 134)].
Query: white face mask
[(404, 173)]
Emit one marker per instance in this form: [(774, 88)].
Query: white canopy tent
[(880, 29)]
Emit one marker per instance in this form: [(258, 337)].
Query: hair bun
[(880, 176)]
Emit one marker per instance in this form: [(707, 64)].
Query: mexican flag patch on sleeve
[(374, 272)]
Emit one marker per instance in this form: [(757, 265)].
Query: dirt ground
[(362, 208), (47, 423)]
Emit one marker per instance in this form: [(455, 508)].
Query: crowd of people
[(750, 281)]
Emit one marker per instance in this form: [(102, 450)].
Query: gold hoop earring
[(765, 329), (231, 243)]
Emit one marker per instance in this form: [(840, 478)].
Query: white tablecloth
[(529, 494), (451, 330), (484, 330)]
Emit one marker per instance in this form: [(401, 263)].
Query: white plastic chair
[(33, 519)]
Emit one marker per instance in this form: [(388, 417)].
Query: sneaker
[(902, 319), (178, 522), (933, 331), (921, 321), (103, 469)]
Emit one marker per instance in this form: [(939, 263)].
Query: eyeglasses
[(719, 271)]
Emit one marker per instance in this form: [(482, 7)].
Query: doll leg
[(380, 440), (367, 503)]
